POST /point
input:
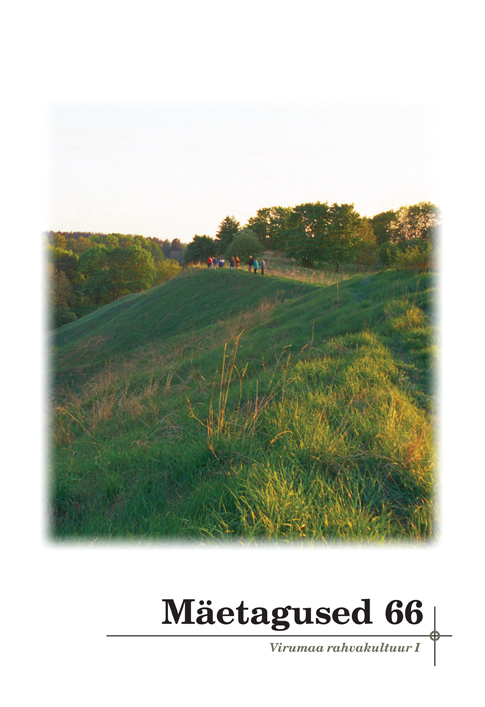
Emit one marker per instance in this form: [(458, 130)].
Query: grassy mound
[(229, 405)]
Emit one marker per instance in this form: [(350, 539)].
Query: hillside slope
[(194, 300), (228, 405)]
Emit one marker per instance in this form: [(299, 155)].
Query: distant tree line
[(87, 270), (322, 234)]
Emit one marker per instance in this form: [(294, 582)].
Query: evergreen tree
[(227, 231)]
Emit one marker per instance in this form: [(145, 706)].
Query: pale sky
[(176, 170)]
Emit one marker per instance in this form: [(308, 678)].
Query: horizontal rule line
[(268, 635)]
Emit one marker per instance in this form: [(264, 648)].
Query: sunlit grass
[(223, 406), (280, 266)]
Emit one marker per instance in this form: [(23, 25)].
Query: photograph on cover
[(241, 308)]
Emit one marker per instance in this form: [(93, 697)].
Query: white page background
[(60, 601)]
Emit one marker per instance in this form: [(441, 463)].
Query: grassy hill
[(226, 405)]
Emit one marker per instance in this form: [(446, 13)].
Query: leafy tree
[(341, 235), (365, 244), (306, 232), (60, 241), (199, 249), (78, 245), (112, 240), (82, 244), (129, 270), (417, 222), (383, 225), (60, 297), (50, 272), (93, 267), (110, 273), (269, 225), (124, 241), (318, 233), (177, 255), (68, 263), (388, 253), (61, 289), (141, 242), (227, 231), (155, 246), (166, 247), (166, 270), (156, 252), (64, 276), (243, 245), (174, 250)]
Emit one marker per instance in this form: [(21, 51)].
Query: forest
[(88, 270)]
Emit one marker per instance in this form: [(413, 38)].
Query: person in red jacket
[(209, 262)]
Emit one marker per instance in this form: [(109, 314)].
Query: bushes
[(413, 255), (61, 316), (166, 270), (417, 257), (388, 253)]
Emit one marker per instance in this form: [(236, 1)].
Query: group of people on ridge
[(234, 264), (253, 263), (213, 263)]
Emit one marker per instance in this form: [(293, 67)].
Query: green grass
[(225, 405), (278, 265)]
